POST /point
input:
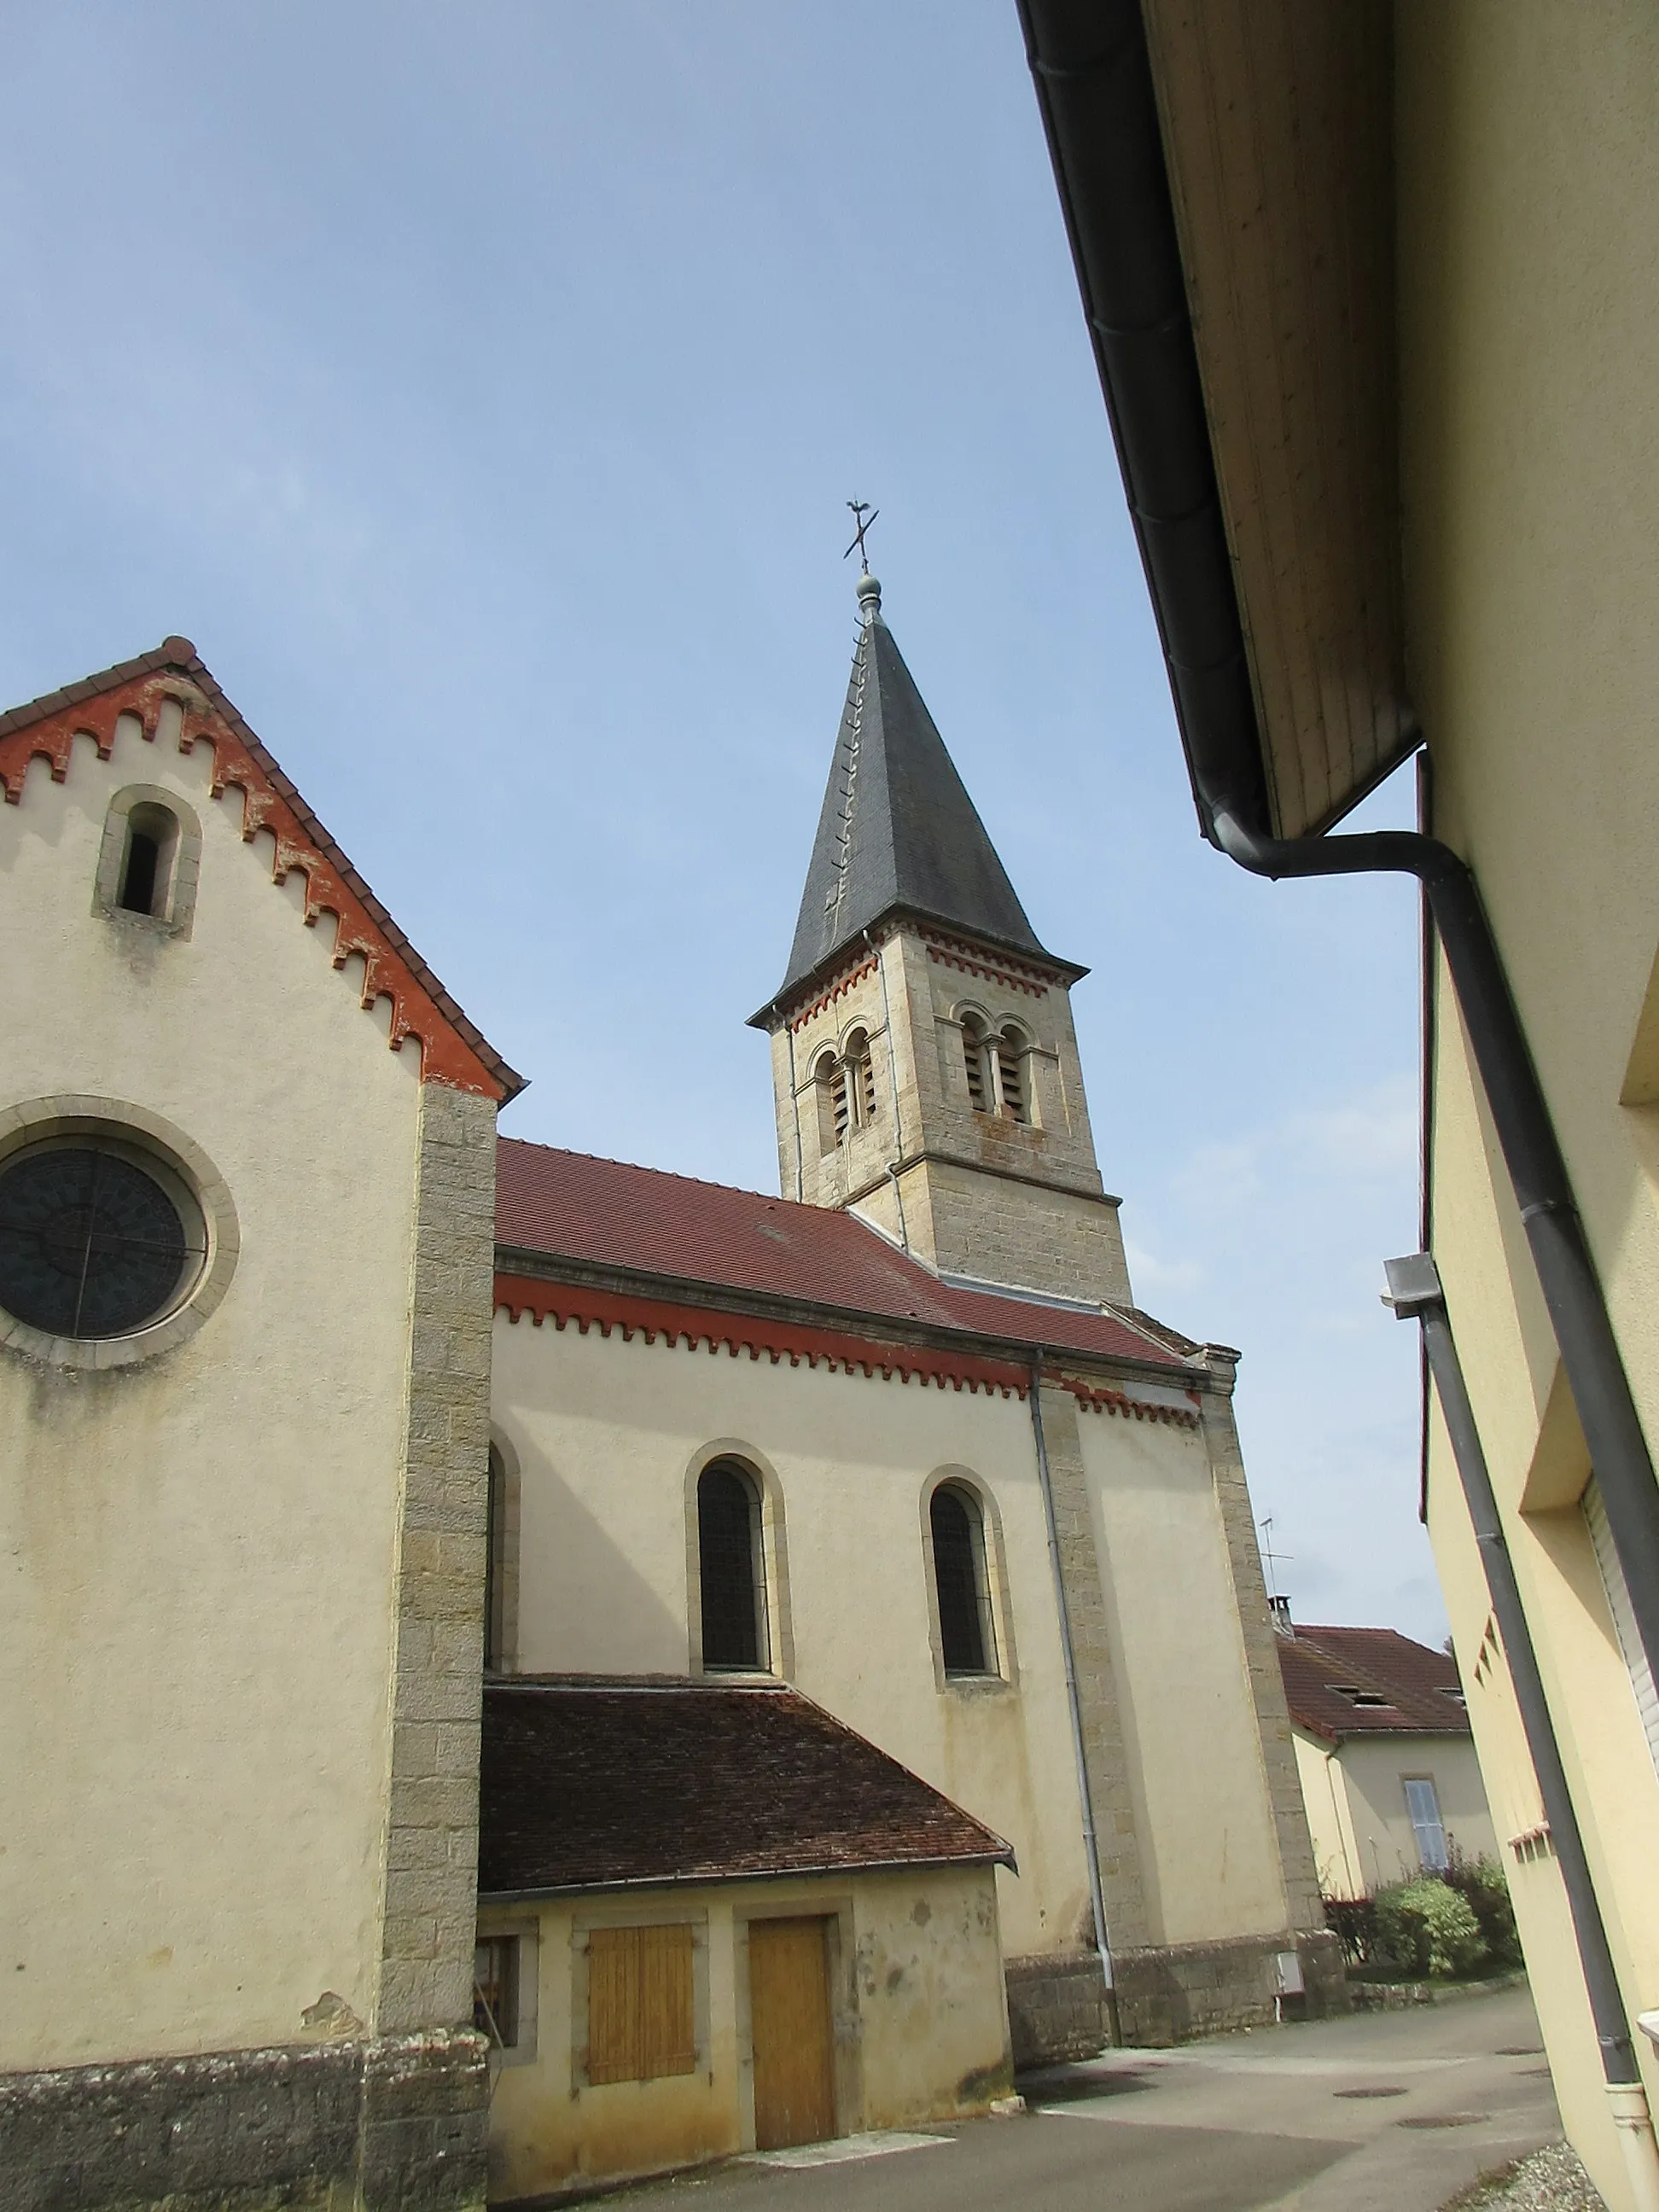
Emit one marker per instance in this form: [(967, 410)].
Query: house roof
[(453, 1046), (571, 1207), (1324, 1669), (897, 830), (1225, 174), (605, 1782)]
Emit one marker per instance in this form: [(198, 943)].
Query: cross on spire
[(863, 515)]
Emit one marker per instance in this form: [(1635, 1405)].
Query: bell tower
[(923, 1054)]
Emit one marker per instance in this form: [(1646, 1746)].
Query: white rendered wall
[(197, 1552), (1209, 1851), (607, 1434)]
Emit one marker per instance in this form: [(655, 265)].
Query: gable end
[(453, 1051)]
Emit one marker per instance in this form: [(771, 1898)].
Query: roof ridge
[(673, 1174)]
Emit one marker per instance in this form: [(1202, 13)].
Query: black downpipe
[(1566, 1273), (1414, 1293)]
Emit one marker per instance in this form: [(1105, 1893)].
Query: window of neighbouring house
[(641, 2004), (961, 1582), (1624, 1617), (1423, 1803), (731, 1563)]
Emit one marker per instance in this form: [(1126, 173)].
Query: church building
[(334, 1428)]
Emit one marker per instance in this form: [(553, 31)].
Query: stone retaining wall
[(1060, 2007), (395, 2125)]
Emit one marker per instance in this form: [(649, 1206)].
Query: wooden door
[(791, 2032)]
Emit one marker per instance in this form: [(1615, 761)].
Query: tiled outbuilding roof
[(605, 1782), (1368, 1682), (641, 1222)]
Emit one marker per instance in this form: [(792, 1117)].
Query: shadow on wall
[(583, 1606)]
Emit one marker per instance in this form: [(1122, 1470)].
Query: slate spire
[(898, 829)]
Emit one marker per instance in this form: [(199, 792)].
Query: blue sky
[(480, 387)]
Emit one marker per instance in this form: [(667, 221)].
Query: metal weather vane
[(863, 515)]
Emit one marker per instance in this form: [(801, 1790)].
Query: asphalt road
[(1385, 2112)]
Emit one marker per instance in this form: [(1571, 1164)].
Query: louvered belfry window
[(1011, 1074), (959, 1577), (973, 1055), (729, 1556), (641, 2019)]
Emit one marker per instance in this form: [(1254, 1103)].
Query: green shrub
[(1428, 1928), (1480, 1883)]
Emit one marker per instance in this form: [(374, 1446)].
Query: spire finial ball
[(869, 589)]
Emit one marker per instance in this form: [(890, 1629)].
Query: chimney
[(1281, 1610)]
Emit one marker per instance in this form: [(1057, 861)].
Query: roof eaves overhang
[(710, 1878), (1173, 1373), (799, 989), (1273, 562)]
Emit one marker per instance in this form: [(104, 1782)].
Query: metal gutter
[(1093, 76)]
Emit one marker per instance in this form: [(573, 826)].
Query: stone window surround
[(183, 875), (1005, 1679), (118, 1119), (774, 1560), (525, 1930)]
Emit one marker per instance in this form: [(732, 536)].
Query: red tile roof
[(640, 1221), (22, 736), (602, 1782), (1420, 1689)]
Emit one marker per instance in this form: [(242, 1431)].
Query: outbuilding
[(711, 1919)]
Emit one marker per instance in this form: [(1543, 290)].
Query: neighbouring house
[(1373, 290), (1387, 1758), (711, 1919)]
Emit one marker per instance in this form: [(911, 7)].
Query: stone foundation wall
[(396, 2125), (1176, 1992), (1060, 2006)]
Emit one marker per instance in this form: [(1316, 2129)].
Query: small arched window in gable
[(973, 1055), (732, 1570), (149, 859), (962, 1582)]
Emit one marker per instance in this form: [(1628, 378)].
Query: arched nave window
[(493, 1578), (962, 1582), (730, 1562)]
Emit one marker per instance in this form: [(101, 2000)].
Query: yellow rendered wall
[(916, 1998), (1528, 206), (198, 1553)]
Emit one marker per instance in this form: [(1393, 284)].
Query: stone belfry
[(923, 1053)]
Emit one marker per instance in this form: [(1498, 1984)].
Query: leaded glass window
[(93, 1243), (967, 1635), (729, 1556)]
